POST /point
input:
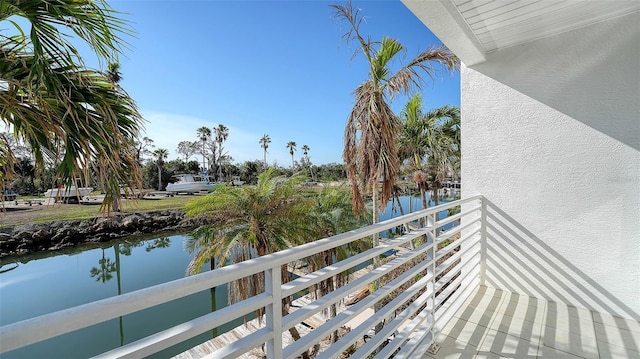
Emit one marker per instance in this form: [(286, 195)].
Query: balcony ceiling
[(493, 25)]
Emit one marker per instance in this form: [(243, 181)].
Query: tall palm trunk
[(204, 163)]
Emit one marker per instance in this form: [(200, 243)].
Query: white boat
[(8, 195), (191, 183), (68, 194), (236, 181)]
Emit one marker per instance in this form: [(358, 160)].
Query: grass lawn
[(24, 214)]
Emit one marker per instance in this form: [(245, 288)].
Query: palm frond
[(410, 77)]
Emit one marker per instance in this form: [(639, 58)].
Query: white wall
[(551, 136)]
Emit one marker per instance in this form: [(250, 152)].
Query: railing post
[(483, 240), (273, 311)]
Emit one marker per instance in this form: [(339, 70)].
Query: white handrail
[(20, 334)]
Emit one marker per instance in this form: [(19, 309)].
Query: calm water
[(47, 282)]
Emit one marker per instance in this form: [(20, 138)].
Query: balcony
[(435, 297)]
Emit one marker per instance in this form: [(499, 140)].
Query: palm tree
[(260, 219), (264, 143), (204, 134), (291, 145), (60, 108), (370, 151), (222, 133), (413, 144), (113, 73), (429, 140), (443, 129), (160, 154), (248, 222), (305, 152)]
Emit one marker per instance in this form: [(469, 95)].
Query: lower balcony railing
[(417, 277)]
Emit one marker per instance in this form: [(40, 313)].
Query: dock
[(304, 328), (234, 334)]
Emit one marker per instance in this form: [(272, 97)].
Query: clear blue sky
[(260, 67)]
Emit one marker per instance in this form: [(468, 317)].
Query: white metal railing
[(435, 283)]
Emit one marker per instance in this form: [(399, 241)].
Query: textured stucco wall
[(551, 136)]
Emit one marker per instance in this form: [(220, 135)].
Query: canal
[(46, 282)]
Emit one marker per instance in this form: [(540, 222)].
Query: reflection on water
[(44, 283)]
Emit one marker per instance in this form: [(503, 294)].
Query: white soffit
[(473, 28)]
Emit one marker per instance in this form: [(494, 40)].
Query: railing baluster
[(273, 287), (483, 240), (431, 271)]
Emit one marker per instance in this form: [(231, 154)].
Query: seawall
[(30, 238)]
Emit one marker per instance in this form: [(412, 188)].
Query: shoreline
[(25, 239)]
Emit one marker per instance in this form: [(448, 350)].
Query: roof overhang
[(474, 28)]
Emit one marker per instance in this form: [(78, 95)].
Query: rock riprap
[(29, 238)]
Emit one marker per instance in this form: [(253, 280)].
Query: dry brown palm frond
[(370, 152)]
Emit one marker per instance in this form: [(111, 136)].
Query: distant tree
[(204, 134), (249, 171), (149, 175), (192, 167), (331, 172), (223, 167), (24, 167), (212, 149), (291, 145), (264, 143), (143, 148), (222, 134), (231, 169), (160, 154), (307, 162), (113, 73), (187, 149)]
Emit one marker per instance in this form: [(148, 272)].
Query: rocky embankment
[(29, 238)]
